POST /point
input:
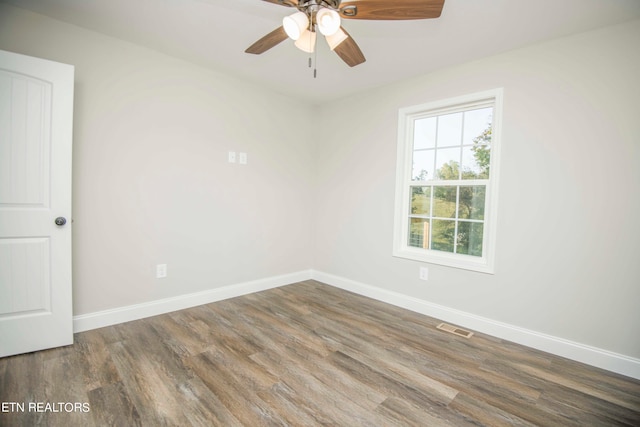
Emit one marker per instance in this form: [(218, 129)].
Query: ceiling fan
[(325, 16)]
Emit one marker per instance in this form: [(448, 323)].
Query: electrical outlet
[(424, 273), (242, 158), (161, 271)]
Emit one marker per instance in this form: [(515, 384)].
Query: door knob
[(61, 221)]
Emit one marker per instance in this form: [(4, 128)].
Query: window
[(447, 176)]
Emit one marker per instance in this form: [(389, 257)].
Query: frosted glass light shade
[(307, 41), (294, 25), (328, 21), (335, 39)]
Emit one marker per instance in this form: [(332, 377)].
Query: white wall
[(567, 250), (151, 178)]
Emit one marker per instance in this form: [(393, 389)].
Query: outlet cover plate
[(161, 271)]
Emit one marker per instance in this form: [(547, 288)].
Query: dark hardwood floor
[(303, 355)]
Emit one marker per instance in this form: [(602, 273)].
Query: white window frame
[(406, 118)]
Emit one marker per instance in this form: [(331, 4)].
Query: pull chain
[(315, 58), (315, 52)]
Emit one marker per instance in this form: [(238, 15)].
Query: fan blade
[(391, 10), (349, 51), (267, 42), (289, 3)]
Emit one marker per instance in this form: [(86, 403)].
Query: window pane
[(444, 202), (445, 150), (471, 202), (476, 122), (419, 233), (424, 133), (450, 130), (443, 233), (423, 165), (469, 239), (420, 200), (448, 163), (475, 162)]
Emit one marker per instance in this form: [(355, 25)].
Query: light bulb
[(335, 39), (307, 41), (328, 21), (295, 24)]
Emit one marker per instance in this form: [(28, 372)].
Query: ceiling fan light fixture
[(294, 25), (328, 21), (324, 16), (336, 38), (307, 41)]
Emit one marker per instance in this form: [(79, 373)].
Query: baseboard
[(593, 356), (85, 322)]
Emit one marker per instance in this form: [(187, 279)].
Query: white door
[(36, 115)]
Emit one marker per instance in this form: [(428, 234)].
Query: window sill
[(465, 262)]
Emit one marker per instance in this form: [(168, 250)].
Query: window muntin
[(445, 179)]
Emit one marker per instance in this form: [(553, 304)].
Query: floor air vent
[(455, 330)]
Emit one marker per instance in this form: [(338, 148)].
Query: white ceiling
[(215, 33)]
